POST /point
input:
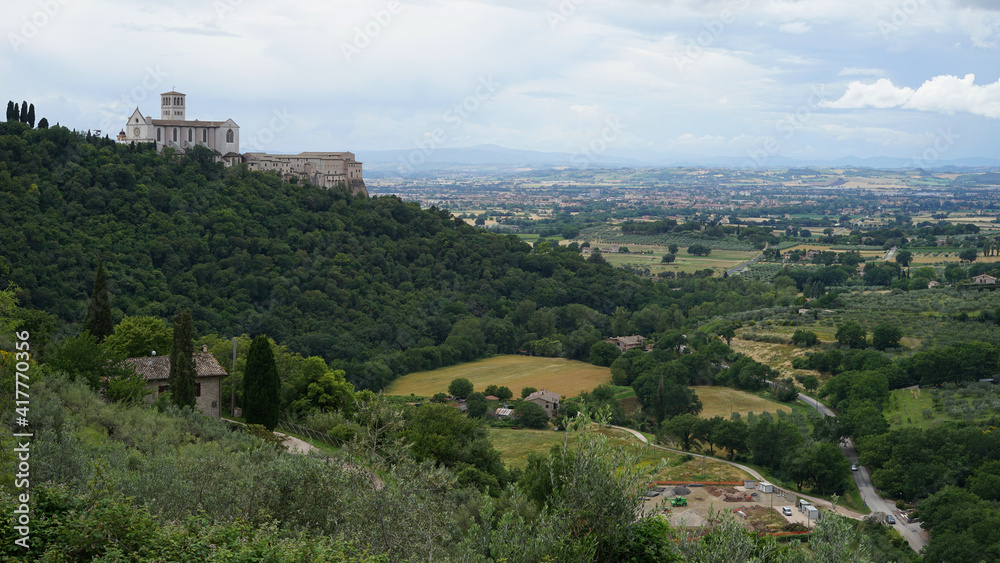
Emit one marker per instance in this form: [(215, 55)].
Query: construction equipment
[(678, 501)]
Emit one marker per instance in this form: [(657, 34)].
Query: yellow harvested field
[(566, 377), (721, 401)]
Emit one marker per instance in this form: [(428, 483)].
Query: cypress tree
[(31, 115), (261, 385), (98, 319), (10, 110), (15, 115), (24, 112), (182, 368)]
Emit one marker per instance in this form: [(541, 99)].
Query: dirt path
[(293, 444)]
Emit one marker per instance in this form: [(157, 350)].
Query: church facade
[(173, 130)]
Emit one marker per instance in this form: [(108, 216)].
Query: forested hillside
[(373, 285)]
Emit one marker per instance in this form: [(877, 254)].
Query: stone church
[(174, 130)]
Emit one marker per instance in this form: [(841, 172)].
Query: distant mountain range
[(485, 157)]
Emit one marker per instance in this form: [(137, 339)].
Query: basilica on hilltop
[(173, 130)]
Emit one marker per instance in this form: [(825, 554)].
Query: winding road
[(912, 533), (869, 494)]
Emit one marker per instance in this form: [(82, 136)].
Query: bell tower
[(172, 106)]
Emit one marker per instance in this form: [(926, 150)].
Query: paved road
[(816, 501), (890, 254), (747, 264), (869, 494), (911, 532)]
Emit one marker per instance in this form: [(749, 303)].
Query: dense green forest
[(376, 286)]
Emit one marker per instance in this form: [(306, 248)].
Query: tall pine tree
[(24, 112), (10, 111), (261, 385), (31, 115), (98, 319), (182, 367)]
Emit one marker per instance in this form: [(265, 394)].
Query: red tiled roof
[(153, 368)]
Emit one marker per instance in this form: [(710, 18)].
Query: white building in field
[(173, 130)]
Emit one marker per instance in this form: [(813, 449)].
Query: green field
[(516, 445), (717, 260), (566, 377), (922, 408), (906, 407), (722, 401)]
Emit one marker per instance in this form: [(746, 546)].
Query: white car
[(786, 510), (853, 467)]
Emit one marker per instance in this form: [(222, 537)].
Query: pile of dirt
[(729, 494), (681, 491), (737, 497)]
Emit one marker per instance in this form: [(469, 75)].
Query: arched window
[(204, 135), (175, 134), (190, 135), (229, 136), (158, 131)]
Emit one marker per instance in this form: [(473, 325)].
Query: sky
[(754, 79)]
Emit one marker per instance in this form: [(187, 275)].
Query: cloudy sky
[(810, 79)]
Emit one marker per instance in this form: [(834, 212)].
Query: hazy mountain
[(497, 157)]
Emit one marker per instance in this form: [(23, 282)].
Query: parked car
[(786, 510), (891, 520), (853, 467)]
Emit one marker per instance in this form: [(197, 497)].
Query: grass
[(721, 401), (717, 260), (566, 377), (516, 445), (906, 407)]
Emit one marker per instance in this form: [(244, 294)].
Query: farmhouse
[(625, 343), (984, 278), (155, 370), (545, 399)]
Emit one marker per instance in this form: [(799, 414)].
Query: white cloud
[(852, 71), (795, 27), (942, 94), (881, 94)]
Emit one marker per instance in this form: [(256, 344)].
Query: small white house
[(765, 487)]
